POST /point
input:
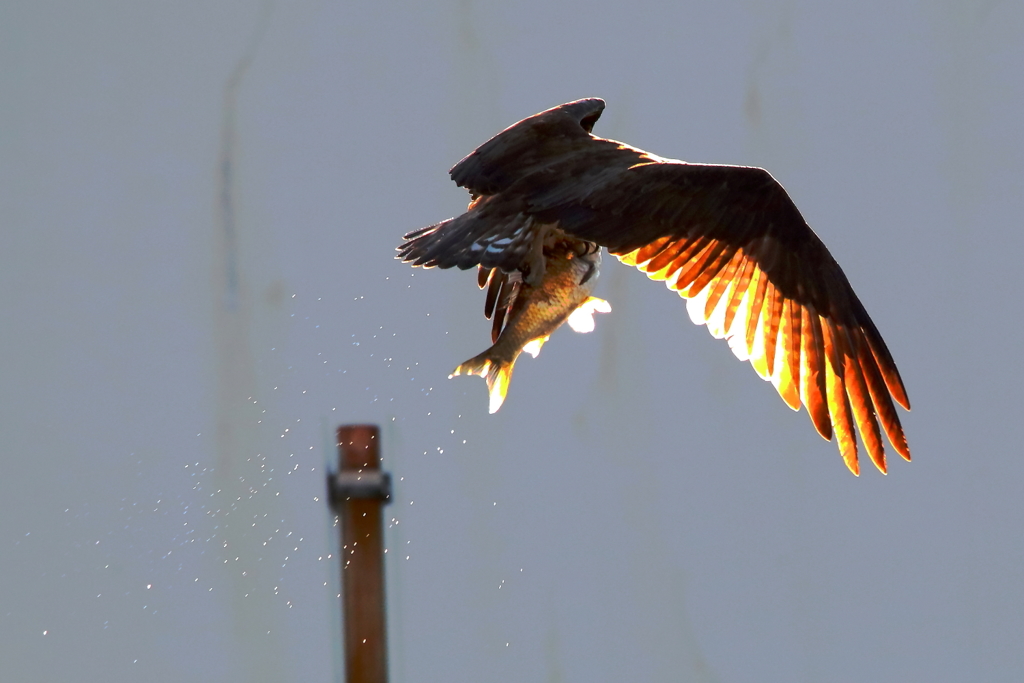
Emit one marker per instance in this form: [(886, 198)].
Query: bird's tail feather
[(496, 373)]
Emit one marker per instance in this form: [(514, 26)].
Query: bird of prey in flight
[(547, 194)]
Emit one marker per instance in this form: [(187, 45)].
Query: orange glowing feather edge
[(781, 339)]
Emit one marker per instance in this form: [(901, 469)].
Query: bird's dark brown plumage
[(728, 238)]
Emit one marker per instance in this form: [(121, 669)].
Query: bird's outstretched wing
[(727, 238)]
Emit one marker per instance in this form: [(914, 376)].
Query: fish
[(532, 308)]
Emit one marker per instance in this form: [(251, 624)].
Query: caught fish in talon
[(547, 195), (527, 314)]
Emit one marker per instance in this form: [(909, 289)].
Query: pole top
[(358, 447)]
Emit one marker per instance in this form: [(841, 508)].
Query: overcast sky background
[(199, 205)]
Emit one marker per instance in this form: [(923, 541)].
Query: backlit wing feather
[(730, 240)]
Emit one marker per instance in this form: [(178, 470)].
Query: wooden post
[(358, 493)]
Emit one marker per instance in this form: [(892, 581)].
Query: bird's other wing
[(539, 152), (731, 241), (526, 146), (495, 234)]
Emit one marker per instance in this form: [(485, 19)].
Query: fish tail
[(496, 373)]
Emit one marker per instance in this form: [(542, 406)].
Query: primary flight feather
[(547, 195)]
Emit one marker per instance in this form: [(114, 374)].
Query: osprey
[(726, 238)]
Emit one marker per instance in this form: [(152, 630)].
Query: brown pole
[(358, 493)]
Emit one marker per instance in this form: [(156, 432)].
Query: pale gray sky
[(198, 286)]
